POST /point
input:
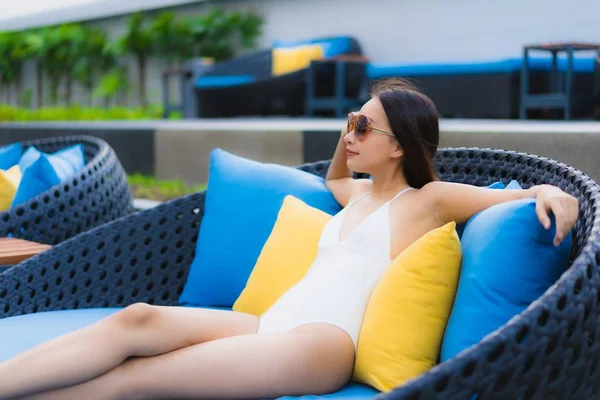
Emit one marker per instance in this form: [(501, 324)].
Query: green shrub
[(77, 113), (151, 188)]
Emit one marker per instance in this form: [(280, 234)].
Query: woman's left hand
[(564, 207)]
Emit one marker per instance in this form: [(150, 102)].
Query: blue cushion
[(509, 261), (41, 171), (510, 65), (10, 155), (350, 391), (331, 46), (241, 206), (461, 227), (23, 332), (224, 81)]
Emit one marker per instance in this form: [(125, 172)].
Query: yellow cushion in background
[(286, 256), (286, 60), (405, 319), (9, 182)]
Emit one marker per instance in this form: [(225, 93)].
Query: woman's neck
[(387, 185)]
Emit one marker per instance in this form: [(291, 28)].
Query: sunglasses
[(361, 125)]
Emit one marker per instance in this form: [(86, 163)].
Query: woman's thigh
[(314, 360), (158, 329)]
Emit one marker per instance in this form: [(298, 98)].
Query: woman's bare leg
[(137, 330), (310, 360)]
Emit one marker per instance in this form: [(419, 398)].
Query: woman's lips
[(350, 153)]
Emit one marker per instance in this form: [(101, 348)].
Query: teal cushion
[(10, 155), (241, 206), (509, 261), (40, 171)]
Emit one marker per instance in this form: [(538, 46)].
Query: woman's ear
[(397, 152)]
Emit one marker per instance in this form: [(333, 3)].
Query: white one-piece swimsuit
[(337, 287)]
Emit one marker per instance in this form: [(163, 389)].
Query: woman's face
[(376, 149)]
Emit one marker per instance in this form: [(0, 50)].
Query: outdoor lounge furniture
[(561, 93), (485, 88), (97, 194), (549, 351), (246, 85)]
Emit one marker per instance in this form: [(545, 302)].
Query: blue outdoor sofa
[(550, 350), (488, 88), (246, 86), (96, 194)]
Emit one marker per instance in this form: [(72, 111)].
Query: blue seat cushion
[(509, 261), (242, 202), (332, 46), (510, 65), (223, 81), (40, 171), (23, 332), (10, 155)]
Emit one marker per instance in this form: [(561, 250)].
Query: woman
[(301, 345)]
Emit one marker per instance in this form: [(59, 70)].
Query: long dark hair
[(414, 121)]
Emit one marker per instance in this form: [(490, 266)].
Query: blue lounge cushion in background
[(223, 81), (241, 206), (332, 46), (40, 171), (509, 261), (10, 155), (509, 65), (23, 332)]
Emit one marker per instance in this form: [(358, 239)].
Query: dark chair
[(550, 351), (97, 194), (245, 85)]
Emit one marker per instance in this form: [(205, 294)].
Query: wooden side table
[(13, 251), (558, 98)]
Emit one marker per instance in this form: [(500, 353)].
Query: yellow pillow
[(286, 256), (407, 313), (286, 60), (9, 182)]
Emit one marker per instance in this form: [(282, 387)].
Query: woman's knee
[(134, 316)]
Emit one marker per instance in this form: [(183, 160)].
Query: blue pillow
[(41, 171), (10, 155), (241, 206), (461, 227), (509, 260)]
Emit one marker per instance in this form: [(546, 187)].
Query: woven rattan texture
[(96, 195), (550, 351)]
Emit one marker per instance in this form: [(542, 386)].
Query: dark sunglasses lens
[(362, 124)]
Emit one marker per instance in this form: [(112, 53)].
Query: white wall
[(436, 30), (401, 31)]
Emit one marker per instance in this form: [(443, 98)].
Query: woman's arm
[(339, 178), (459, 202)]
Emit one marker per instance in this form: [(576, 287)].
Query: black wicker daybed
[(97, 194), (246, 86), (549, 351)]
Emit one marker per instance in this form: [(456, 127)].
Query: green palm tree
[(137, 41)]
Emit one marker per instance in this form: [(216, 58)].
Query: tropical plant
[(137, 41), (172, 38), (13, 54), (218, 34)]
